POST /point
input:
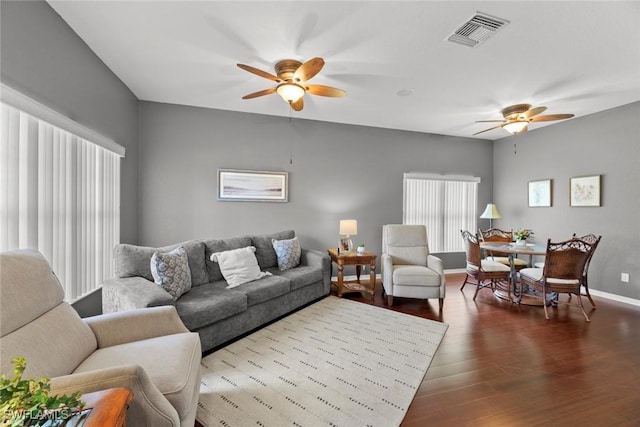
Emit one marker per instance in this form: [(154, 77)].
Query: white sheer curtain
[(444, 204), (59, 194)]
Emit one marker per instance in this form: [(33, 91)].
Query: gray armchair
[(148, 351), (408, 270)]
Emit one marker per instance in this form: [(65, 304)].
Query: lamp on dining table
[(491, 212)]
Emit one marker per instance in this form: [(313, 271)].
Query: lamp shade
[(348, 227), (491, 212)]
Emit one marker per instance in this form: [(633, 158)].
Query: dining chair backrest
[(566, 260), (472, 249), (496, 235), (593, 240)]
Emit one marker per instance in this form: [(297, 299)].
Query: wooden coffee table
[(353, 258)]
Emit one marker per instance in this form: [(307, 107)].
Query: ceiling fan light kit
[(516, 127), (290, 92), (291, 76), (517, 118)]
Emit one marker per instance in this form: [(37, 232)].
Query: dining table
[(513, 250)]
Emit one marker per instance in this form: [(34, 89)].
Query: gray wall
[(338, 172), (44, 59), (606, 144)]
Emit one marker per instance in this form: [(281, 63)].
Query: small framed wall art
[(540, 193), (585, 190), (252, 186)]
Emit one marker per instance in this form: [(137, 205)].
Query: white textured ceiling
[(576, 57)]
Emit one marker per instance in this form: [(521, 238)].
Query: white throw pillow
[(238, 266), (288, 253), (171, 271)]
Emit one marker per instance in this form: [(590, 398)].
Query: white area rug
[(334, 363)]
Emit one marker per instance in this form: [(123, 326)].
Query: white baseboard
[(615, 297)]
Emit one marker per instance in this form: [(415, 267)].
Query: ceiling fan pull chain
[(514, 149)]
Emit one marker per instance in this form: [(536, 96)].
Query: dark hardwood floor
[(501, 364)]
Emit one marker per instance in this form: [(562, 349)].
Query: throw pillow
[(238, 266), (288, 253), (171, 271)]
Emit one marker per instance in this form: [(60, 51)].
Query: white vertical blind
[(445, 205), (59, 194)]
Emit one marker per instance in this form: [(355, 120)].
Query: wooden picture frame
[(540, 193), (585, 190), (252, 186)]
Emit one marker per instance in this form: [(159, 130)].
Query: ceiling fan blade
[(260, 73), (298, 105), (309, 69), (260, 93), (487, 130), (322, 90), (534, 111), (551, 117), (489, 121)]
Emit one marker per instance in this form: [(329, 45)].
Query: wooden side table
[(353, 258), (108, 407)]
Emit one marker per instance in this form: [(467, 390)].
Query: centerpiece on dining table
[(521, 235)]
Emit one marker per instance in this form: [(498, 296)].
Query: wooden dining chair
[(563, 272), (497, 235), (487, 273)]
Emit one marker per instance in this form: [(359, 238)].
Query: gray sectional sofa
[(219, 314)]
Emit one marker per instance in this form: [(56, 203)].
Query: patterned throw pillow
[(171, 271), (288, 253)]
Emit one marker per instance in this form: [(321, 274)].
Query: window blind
[(59, 194), (444, 204)]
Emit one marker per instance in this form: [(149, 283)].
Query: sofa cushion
[(301, 276), (212, 246), (238, 266), (132, 260), (265, 253), (288, 253), (171, 271), (264, 289), (209, 303)]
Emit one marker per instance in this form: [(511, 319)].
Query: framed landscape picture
[(252, 186), (540, 193), (585, 190)]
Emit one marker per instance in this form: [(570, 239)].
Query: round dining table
[(513, 249)]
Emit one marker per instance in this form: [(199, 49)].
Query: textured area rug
[(334, 363)]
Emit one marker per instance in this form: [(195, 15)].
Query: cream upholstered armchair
[(408, 270), (148, 351)]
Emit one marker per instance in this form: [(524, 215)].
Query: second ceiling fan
[(517, 118), (292, 77)]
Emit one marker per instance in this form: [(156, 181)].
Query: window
[(444, 204), (59, 194)]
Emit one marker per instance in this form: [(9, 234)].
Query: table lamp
[(491, 212), (348, 228)]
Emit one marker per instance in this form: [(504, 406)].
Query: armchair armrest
[(135, 325), (386, 265), (436, 264), (148, 407), (132, 292)]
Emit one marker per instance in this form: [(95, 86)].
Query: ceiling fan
[(517, 118), (292, 77)]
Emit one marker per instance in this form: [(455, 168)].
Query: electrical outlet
[(624, 277)]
